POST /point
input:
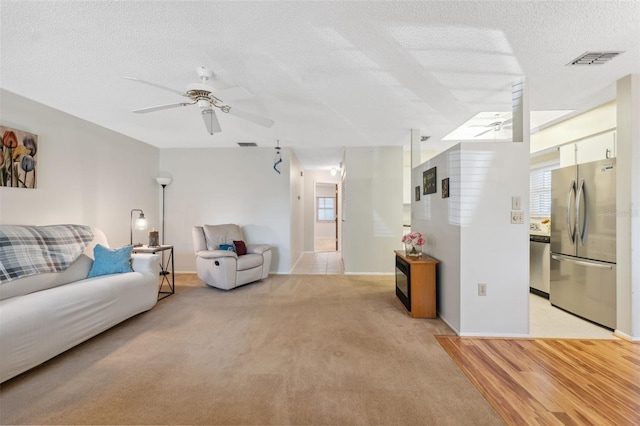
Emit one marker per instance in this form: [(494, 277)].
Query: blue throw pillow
[(227, 247), (108, 261)]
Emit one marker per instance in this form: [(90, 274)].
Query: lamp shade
[(141, 222), (163, 180)]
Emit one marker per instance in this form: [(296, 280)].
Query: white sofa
[(44, 315)]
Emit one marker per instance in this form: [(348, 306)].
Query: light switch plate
[(517, 216), (482, 289), (515, 203)]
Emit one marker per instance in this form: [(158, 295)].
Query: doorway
[(326, 224)]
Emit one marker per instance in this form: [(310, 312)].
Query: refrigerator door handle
[(571, 229), (581, 262), (581, 222)]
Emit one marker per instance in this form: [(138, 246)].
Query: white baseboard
[(500, 335), (625, 336), (497, 335), (455, 330)]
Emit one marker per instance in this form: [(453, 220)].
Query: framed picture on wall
[(18, 158), (429, 181), (445, 188), (417, 193)]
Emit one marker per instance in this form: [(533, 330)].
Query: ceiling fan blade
[(507, 121), (482, 133), (235, 93), (262, 121), (159, 86), (161, 107), (211, 121)]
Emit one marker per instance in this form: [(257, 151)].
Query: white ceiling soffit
[(497, 125), (330, 74)]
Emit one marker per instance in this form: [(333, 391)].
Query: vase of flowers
[(413, 243)]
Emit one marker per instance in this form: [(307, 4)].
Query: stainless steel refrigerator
[(583, 241)]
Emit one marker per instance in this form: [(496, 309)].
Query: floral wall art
[(18, 158)]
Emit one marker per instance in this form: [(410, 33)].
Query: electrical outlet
[(482, 289), (517, 216), (515, 203)]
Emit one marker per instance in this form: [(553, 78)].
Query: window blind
[(326, 209), (540, 191)]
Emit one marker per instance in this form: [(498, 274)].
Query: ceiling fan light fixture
[(211, 121), (202, 94)]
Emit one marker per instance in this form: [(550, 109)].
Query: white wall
[(228, 185), (297, 197), (408, 191), (439, 220), (373, 212), (87, 174), (470, 233), (628, 212)]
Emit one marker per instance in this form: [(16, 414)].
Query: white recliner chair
[(223, 268)]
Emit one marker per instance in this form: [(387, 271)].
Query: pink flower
[(414, 238)]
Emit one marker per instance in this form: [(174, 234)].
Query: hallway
[(319, 263)]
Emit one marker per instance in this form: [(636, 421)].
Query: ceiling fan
[(496, 126), (202, 95)]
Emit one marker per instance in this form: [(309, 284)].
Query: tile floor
[(325, 244), (545, 320), (548, 321), (329, 262)]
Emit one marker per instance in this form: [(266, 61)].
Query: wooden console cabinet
[(422, 285)]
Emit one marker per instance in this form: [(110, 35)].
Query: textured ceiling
[(330, 74)]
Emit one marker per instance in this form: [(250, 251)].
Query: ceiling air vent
[(247, 144), (594, 58)]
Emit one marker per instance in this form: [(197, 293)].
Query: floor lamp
[(163, 181)]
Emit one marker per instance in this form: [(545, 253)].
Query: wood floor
[(553, 381)]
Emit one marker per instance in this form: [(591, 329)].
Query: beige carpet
[(287, 350)]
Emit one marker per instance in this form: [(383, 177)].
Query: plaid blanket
[(31, 250)]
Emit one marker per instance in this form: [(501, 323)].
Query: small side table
[(164, 268)]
